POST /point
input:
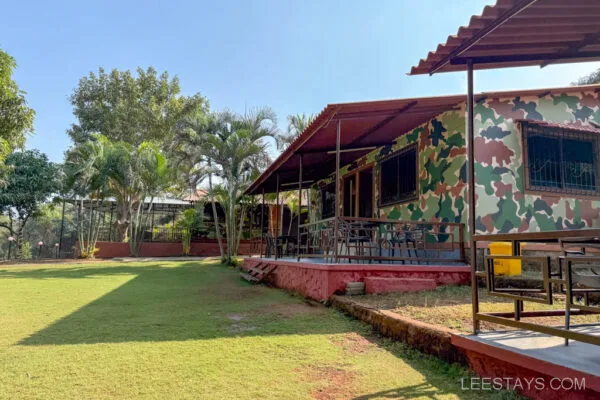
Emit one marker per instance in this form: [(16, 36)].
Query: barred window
[(398, 177), (561, 160)]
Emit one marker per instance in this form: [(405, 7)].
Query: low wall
[(320, 281), (204, 248), (428, 338)]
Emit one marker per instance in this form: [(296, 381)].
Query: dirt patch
[(332, 382), (355, 343), (290, 310), (236, 317)]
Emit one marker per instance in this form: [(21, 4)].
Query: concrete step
[(250, 278), (387, 285)]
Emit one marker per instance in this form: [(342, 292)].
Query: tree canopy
[(128, 108), (16, 117), (590, 79), (31, 180)]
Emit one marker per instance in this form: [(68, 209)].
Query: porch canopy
[(363, 126), (516, 33)]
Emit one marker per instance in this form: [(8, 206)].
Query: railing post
[(299, 209), (277, 219), (337, 190), (262, 222), (471, 193)]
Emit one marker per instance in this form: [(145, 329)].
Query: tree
[(32, 179), (134, 176), (296, 125), (237, 150), (590, 79), (131, 109), (16, 118), (232, 149)]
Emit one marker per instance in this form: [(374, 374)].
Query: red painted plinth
[(320, 281), (529, 376), (375, 284)]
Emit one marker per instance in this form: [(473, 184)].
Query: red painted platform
[(535, 365), (320, 281)]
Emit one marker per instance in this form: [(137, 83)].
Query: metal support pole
[(152, 227), (277, 219), (262, 222), (62, 228), (337, 191), (471, 194), (299, 209), (110, 225)]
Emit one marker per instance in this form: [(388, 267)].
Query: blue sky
[(294, 56)]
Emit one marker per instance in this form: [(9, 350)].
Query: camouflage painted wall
[(503, 205), (441, 171)]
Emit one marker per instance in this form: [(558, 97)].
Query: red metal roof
[(364, 124), (515, 33)]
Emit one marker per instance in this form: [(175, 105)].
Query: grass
[(193, 330), (450, 306)]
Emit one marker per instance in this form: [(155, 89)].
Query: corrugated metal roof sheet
[(515, 33)]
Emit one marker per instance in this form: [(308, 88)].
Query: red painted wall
[(205, 248), (320, 281)]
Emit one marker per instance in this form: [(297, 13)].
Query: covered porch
[(346, 216)]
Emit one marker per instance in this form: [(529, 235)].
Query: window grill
[(560, 160), (398, 177)]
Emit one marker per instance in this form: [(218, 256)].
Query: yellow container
[(504, 267)]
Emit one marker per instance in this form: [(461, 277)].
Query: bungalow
[(536, 160)]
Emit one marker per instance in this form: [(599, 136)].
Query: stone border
[(428, 338)]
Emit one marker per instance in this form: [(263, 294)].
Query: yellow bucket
[(504, 267)]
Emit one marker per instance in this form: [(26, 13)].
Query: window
[(398, 177), (328, 201), (561, 160)]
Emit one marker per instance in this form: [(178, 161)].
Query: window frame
[(559, 133), (399, 153)]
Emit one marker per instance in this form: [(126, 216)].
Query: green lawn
[(192, 330)]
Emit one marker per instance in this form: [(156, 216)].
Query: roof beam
[(467, 44), (385, 121), (523, 57), (574, 49)]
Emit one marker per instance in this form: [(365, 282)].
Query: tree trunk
[(215, 215)]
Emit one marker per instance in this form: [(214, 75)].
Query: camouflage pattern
[(502, 204)]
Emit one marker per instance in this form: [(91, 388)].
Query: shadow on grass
[(189, 301)]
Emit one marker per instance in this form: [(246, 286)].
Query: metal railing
[(571, 275), (355, 239)]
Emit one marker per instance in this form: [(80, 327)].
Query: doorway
[(350, 196), (358, 194), (365, 193)]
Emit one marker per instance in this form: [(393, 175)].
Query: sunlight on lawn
[(193, 330)]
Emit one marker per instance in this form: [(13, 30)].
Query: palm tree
[(232, 149), (191, 162), (86, 175), (296, 125), (99, 168), (238, 151)]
